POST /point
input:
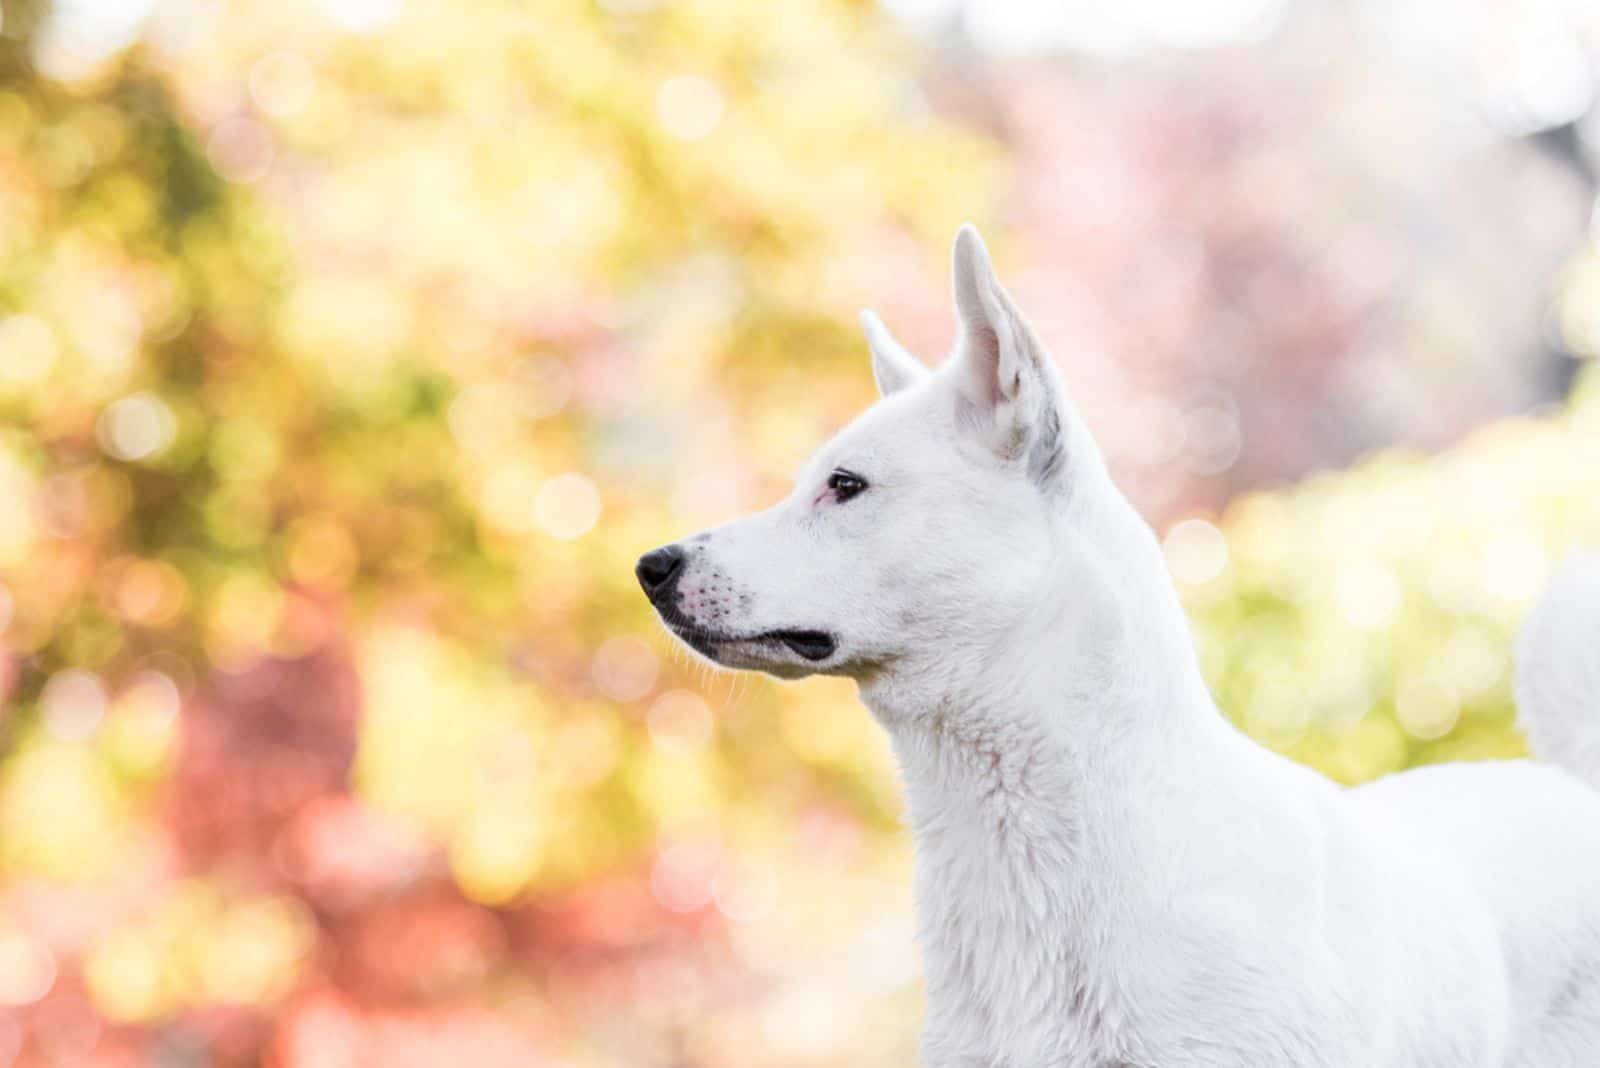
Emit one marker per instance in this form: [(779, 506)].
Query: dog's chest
[(1073, 936), (1023, 921), (1008, 944)]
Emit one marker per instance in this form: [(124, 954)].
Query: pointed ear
[(892, 366), (1004, 371)]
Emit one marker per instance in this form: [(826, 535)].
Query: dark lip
[(812, 645)]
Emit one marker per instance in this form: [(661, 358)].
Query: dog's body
[(1108, 874)]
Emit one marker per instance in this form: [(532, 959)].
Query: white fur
[(1108, 874)]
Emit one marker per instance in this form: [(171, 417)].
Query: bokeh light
[(73, 703), (136, 427), (689, 106), (567, 506), (27, 969), (1196, 551)]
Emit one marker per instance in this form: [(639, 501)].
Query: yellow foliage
[(1362, 621)]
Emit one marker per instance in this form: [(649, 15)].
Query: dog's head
[(931, 527)]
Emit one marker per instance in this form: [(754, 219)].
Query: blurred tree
[(1363, 621), (328, 334)]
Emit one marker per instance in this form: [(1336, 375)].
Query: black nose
[(657, 569)]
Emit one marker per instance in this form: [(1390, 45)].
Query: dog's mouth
[(811, 645)]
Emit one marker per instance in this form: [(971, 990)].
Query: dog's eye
[(845, 485)]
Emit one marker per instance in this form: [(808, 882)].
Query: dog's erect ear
[(1004, 370), (892, 366)]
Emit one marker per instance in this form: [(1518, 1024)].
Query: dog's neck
[(1104, 660), (1031, 787)]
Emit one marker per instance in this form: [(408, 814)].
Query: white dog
[(1107, 872)]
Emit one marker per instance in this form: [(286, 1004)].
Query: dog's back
[(1524, 836)]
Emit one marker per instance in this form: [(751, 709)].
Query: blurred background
[(351, 350)]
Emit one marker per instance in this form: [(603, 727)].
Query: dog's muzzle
[(659, 571)]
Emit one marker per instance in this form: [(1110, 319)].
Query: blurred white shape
[(1036, 27), (1514, 566), (282, 83), (1367, 595), (74, 703), (27, 969), (1426, 709), (1196, 552), (1553, 82), (109, 335), (27, 348), (155, 696), (136, 427), (567, 506), (178, 26), (78, 34), (361, 16), (689, 106), (1032, 27), (1210, 23)]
